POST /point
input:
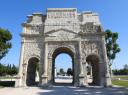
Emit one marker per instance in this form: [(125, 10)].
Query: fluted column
[(45, 75), (46, 59), (80, 61), (82, 75)]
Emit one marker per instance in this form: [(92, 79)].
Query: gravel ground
[(64, 90)]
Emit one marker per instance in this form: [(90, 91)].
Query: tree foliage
[(111, 45), (8, 70), (123, 71), (61, 71), (69, 72), (5, 44)]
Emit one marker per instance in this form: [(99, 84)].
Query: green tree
[(123, 71), (111, 46), (8, 69), (2, 70), (5, 44), (61, 71), (14, 70), (69, 72), (126, 67)]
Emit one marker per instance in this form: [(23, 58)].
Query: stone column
[(90, 71), (24, 74), (19, 78), (45, 75), (85, 74), (80, 61), (50, 71), (102, 73), (82, 75), (106, 71)]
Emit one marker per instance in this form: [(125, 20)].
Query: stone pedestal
[(82, 80), (17, 81), (44, 81), (108, 82)]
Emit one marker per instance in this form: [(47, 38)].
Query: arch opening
[(64, 78), (32, 72), (93, 69)]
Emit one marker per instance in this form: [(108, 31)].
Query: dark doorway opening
[(93, 70), (33, 72)]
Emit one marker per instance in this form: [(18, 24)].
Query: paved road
[(64, 90)]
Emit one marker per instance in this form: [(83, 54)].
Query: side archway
[(93, 63), (32, 72)]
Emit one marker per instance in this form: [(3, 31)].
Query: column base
[(108, 82), (44, 81), (17, 81), (82, 80)]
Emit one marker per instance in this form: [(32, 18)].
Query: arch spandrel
[(90, 48), (53, 47), (26, 59)]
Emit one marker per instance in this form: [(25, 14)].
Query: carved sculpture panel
[(89, 27), (33, 29), (32, 50), (89, 48)]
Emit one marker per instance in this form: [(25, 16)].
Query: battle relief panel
[(89, 48)]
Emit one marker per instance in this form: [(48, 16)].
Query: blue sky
[(65, 63), (113, 15)]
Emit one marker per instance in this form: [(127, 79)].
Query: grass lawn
[(119, 76), (120, 83), (6, 77)]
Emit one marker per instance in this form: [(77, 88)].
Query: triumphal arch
[(62, 30)]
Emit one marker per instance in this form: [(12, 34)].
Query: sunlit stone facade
[(63, 30)]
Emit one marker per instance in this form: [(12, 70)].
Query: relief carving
[(89, 27), (89, 48)]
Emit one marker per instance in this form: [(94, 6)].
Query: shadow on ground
[(70, 90), (7, 83)]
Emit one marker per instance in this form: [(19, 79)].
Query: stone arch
[(58, 51), (93, 60), (61, 46), (28, 57), (32, 69)]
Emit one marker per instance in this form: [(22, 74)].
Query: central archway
[(58, 51)]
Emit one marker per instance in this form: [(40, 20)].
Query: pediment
[(60, 30)]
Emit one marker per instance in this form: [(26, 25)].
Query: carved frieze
[(32, 28), (89, 27)]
